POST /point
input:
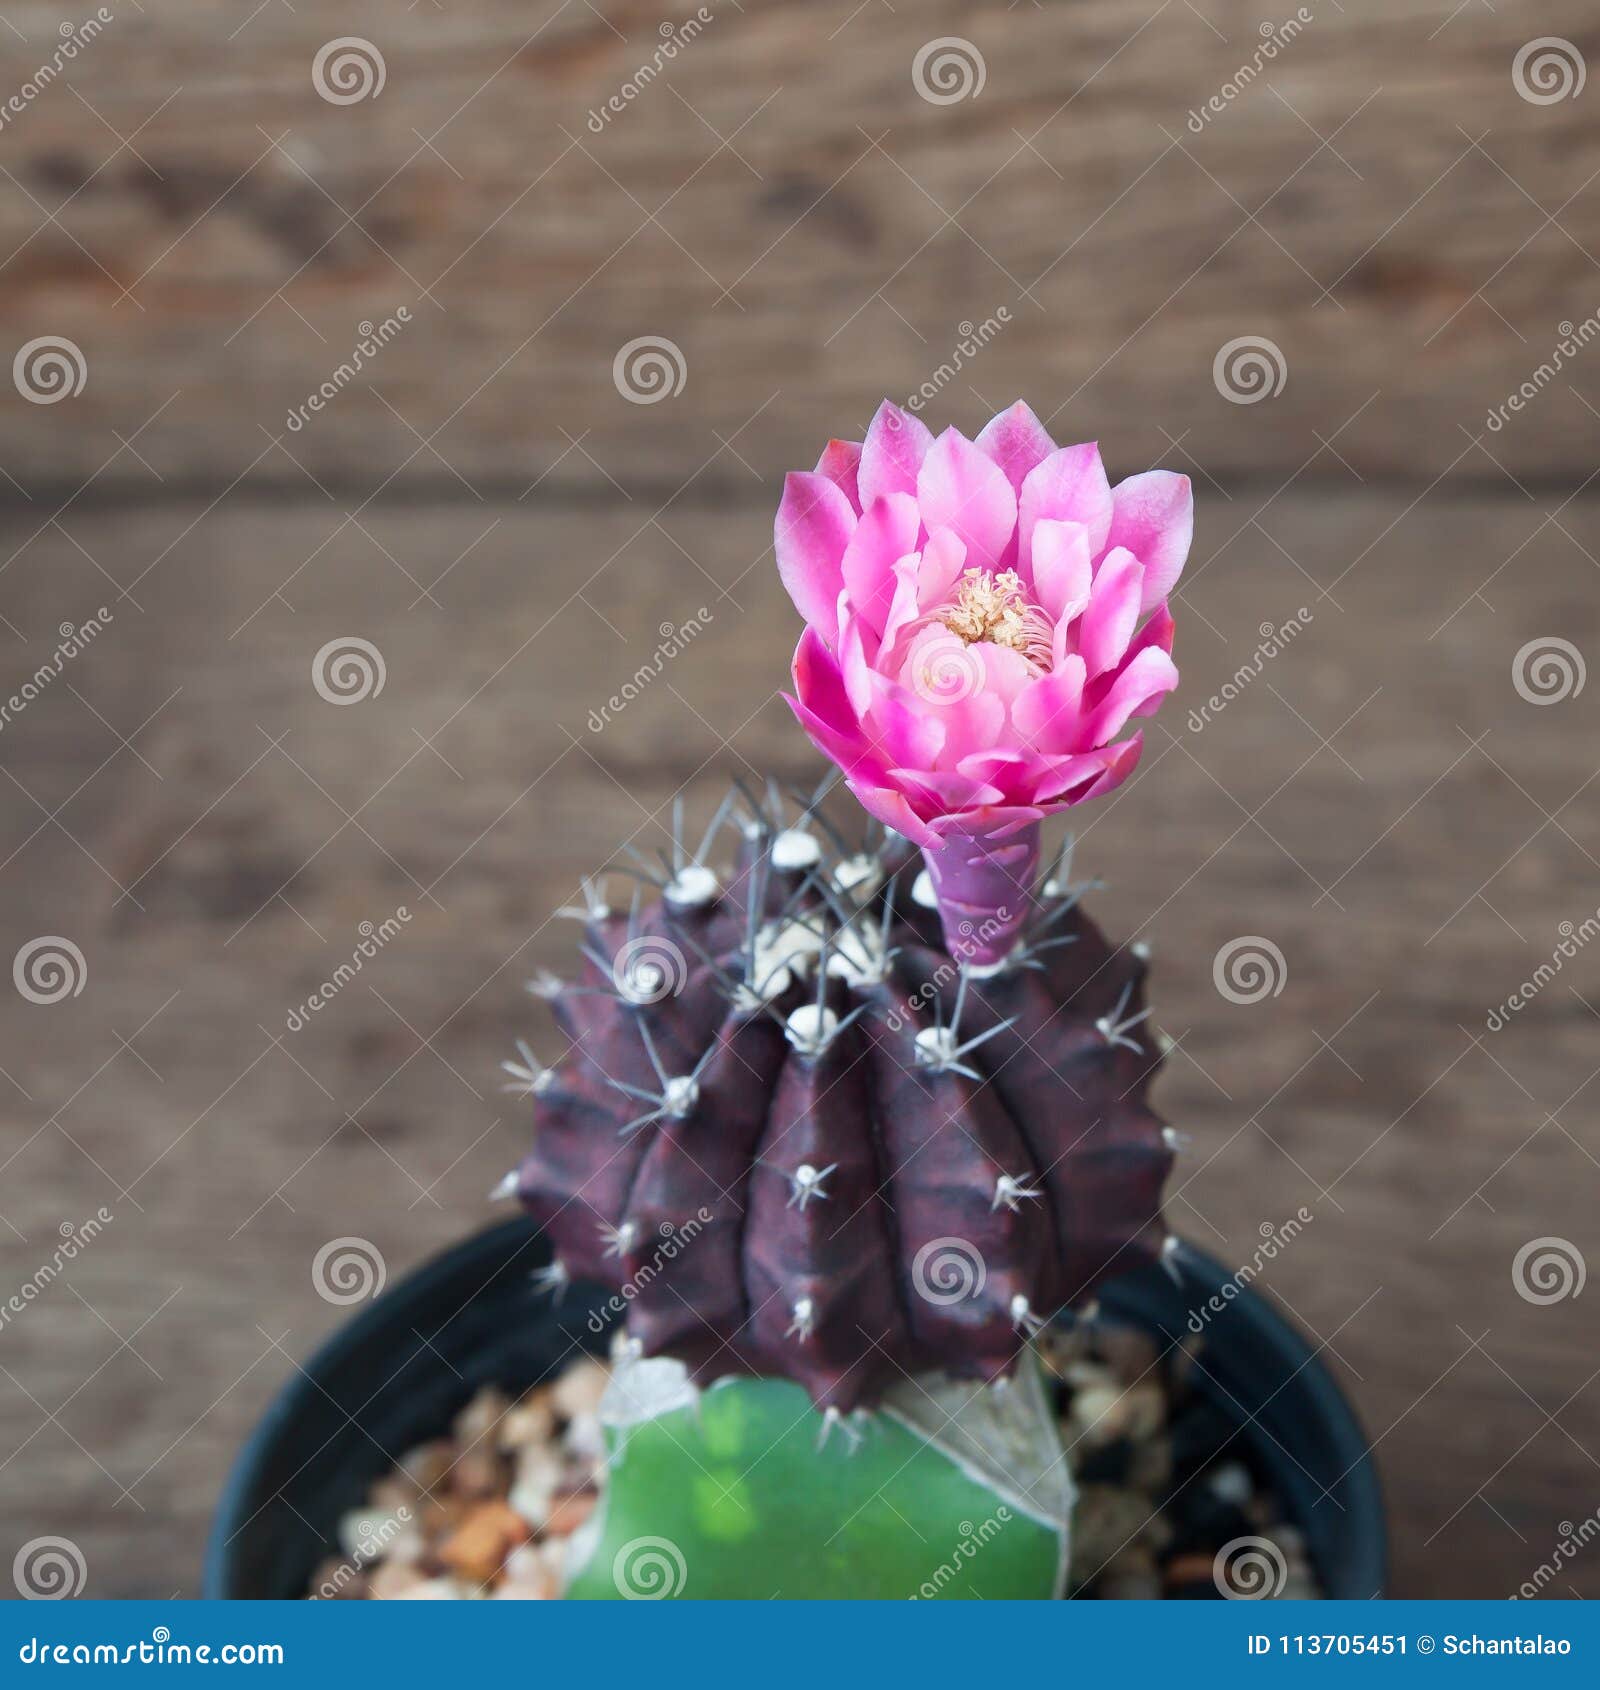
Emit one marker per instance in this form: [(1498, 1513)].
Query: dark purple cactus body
[(805, 1140)]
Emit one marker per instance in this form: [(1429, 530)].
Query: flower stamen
[(995, 607)]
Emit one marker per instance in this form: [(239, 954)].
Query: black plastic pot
[(397, 1373)]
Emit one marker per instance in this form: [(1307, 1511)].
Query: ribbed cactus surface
[(799, 1137)]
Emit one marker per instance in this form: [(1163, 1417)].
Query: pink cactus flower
[(983, 620)]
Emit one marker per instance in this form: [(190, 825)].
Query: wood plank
[(1379, 803), (1378, 203)]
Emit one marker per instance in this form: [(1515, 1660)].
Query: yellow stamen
[(995, 608)]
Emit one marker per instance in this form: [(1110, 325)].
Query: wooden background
[(485, 508)]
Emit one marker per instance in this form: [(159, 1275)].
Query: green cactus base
[(728, 1495)]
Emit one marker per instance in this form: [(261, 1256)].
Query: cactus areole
[(849, 1106)]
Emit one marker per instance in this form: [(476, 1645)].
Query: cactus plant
[(857, 1111)]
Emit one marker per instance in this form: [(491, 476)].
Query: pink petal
[(972, 724), (892, 454), (1113, 612), (948, 789), (903, 621), (1061, 572), (887, 530), (1071, 486), (961, 488), (813, 528), (1048, 713), (996, 821), (1017, 441), (903, 730), (1153, 516), (851, 753), (1005, 672), (943, 559), (854, 665), (839, 462), (1140, 686), (894, 810), (819, 683)]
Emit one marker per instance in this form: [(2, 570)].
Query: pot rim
[(1198, 1277)]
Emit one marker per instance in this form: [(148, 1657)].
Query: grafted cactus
[(881, 1159), (862, 1118)]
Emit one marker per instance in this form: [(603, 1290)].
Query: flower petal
[(1140, 686), (1113, 613), (943, 559), (839, 462), (1017, 441), (1153, 517), (813, 528), (887, 530), (892, 454), (963, 489), (1048, 714), (1071, 486), (894, 810), (1061, 571)]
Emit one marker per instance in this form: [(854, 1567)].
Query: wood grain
[(1379, 803), (1378, 202)]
